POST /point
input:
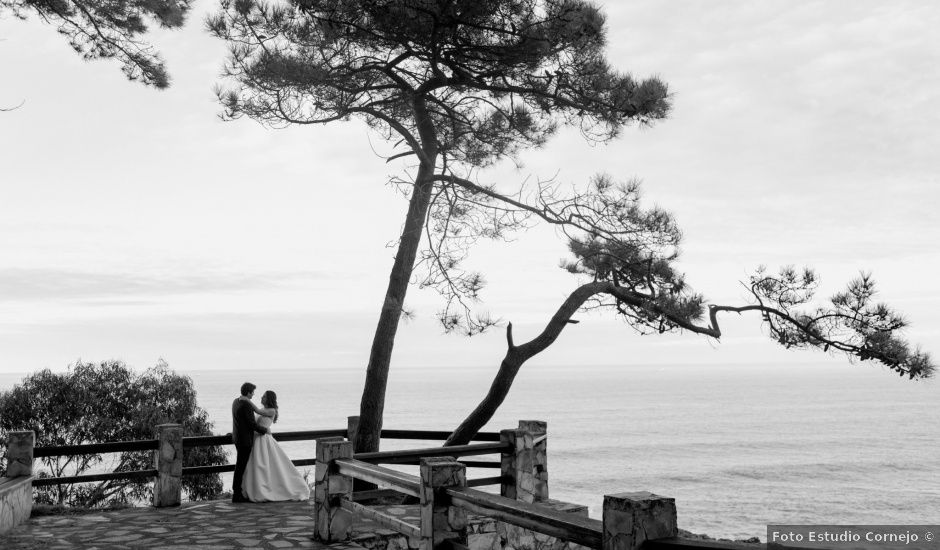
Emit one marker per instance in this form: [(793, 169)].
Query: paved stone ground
[(198, 525)]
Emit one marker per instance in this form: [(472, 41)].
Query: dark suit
[(243, 428)]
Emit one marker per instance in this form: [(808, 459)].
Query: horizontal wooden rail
[(206, 440), (188, 442), (417, 461), (383, 477), (680, 543), (306, 435), (95, 448), (187, 471), (484, 481), (136, 474), (204, 470), (209, 440), (411, 455), (386, 520), (569, 527), (434, 435), (480, 464), (221, 468)]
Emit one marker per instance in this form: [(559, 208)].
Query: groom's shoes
[(239, 498)]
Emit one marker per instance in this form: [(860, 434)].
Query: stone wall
[(16, 501), (482, 533), (490, 534)]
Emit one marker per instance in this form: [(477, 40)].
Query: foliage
[(102, 29), (108, 401), (455, 84)]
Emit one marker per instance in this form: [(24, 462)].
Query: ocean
[(738, 447)]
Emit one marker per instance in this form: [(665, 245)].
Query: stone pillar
[(630, 519), (441, 523), (20, 453), (168, 461), (332, 522), (517, 466), (539, 431)]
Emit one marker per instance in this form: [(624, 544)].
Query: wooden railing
[(174, 444), (630, 520)]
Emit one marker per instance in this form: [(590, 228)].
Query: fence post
[(168, 460), (20, 453), (332, 522), (630, 519), (441, 524), (539, 431), (517, 466), (352, 428)]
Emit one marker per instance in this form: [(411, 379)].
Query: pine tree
[(455, 86)]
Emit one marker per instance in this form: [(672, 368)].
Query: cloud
[(194, 341), (48, 284)]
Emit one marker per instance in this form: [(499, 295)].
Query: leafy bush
[(108, 401)]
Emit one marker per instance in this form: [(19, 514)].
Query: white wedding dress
[(270, 475)]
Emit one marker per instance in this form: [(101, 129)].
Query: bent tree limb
[(515, 357), (913, 365)]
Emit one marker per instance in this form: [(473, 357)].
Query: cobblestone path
[(199, 525)]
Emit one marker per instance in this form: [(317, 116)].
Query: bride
[(270, 475)]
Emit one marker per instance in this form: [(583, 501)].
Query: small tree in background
[(101, 29), (454, 86), (108, 401), (628, 254)]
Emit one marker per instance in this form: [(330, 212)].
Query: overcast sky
[(135, 224)]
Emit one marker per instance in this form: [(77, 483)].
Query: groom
[(243, 424)]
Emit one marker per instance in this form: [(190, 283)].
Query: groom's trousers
[(242, 453)]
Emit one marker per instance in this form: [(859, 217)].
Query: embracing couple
[(263, 472)]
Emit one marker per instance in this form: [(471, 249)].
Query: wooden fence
[(445, 495), (169, 446), (446, 498)]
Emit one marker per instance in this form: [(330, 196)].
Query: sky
[(136, 224)]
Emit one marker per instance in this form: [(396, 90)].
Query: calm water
[(737, 447)]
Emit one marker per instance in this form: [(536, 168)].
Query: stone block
[(168, 461), (20, 453), (332, 523), (630, 519), (327, 448), (440, 522), (339, 485)]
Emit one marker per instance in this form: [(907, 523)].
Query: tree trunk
[(515, 357), (483, 412), (372, 404)]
